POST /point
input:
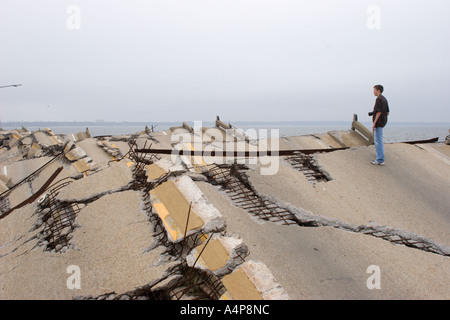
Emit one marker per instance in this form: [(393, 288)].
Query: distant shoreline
[(395, 131), (15, 124)]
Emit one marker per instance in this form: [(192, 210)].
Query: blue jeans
[(378, 141)]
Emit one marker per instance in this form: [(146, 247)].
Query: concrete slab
[(154, 171), (83, 166), (163, 141), (300, 142), (353, 139), (43, 176), (409, 192), (6, 181), (114, 235), (327, 263), (213, 256), (18, 171), (14, 140), (19, 194), (332, 139), (27, 140), (15, 231), (392, 196), (173, 200), (239, 287), (122, 146), (173, 208), (3, 187), (440, 151), (45, 139), (76, 153), (95, 152), (81, 135), (114, 177), (34, 151), (111, 256), (212, 218), (221, 255), (111, 149), (252, 281), (12, 155), (440, 147)]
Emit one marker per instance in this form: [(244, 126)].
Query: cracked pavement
[(395, 217)]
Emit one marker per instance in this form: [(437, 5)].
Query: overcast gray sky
[(186, 60)]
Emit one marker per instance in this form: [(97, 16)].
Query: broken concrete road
[(148, 226)]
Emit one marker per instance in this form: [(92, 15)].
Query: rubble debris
[(142, 225), (222, 255), (252, 281)]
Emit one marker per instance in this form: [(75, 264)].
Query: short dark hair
[(379, 87)]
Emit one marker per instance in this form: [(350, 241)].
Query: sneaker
[(375, 162)]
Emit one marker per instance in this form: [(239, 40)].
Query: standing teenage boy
[(379, 118)]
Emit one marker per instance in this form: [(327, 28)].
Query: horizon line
[(98, 122)]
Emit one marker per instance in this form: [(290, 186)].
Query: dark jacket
[(381, 105)]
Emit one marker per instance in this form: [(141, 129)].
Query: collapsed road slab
[(335, 230), (117, 176), (184, 210), (252, 281), (111, 253), (221, 255)]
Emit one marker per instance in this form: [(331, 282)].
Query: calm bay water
[(394, 132)]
